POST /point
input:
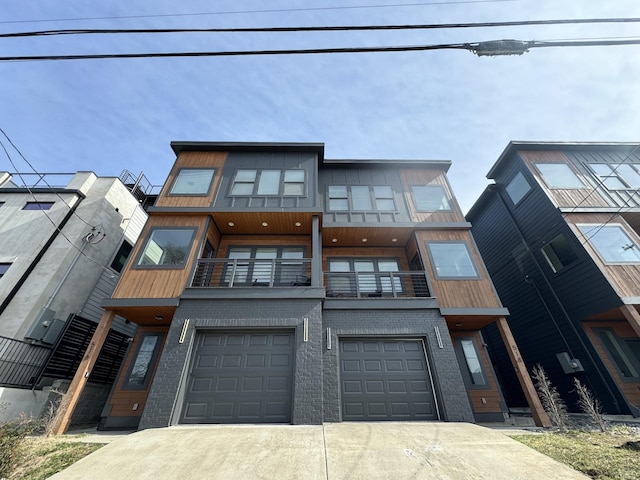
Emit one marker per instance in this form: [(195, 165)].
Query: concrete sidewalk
[(345, 451)]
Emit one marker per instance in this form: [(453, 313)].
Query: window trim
[(281, 183), (213, 171), (518, 175), (434, 267), (621, 343), (373, 199), (49, 205), (148, 236), (445, 196), (588, 239), (571, 169), (126, 385), (615, 174)]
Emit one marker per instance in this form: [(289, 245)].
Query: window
[(472, 361), (363, 198), (121, 257), (374, 276), (264, 266), (193, 181), (140, 371), (3, 268), (167, 247), (559, 175), (38, 206), (612, 243), (517, 188), (618, 176), (559, 253), (268, 182), (430, 198), (625, 352), (451, 260)]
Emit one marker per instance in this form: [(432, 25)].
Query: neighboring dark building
[(273, 285), (558, 232)]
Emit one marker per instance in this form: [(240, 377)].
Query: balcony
[(376, 285), (265, 273)]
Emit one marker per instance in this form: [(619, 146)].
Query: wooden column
[(539, 415), (632, 316), (70, 400)]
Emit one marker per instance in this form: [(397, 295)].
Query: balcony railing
[(254, 272), (21, 362), (376, 284)]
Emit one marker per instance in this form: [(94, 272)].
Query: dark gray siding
[(546, 308), (362, 175), (267, 160)]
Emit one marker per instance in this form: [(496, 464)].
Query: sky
[(108, 115)]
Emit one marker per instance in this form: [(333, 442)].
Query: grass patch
[(41, 457), (602, 456)]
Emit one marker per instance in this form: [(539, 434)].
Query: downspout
[(34, 263), (558, 302)]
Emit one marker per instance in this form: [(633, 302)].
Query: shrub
[(550, 398), (590, 405)]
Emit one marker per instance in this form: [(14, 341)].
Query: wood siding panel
[(625, 279), (160, 282), (453, 293), (193, 160), (423, 176), (573, 197), (122, 401), (631, 390)]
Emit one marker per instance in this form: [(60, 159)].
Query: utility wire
[(428, 26), (491, 48), (243, 12)]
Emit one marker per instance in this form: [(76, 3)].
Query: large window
[(451, 260), (38, 206), (618, 176), (430, 198), (140, 371), (361, 198), (268, 182), (167, 247), (193, 181), (558, 253), (517, 188), (472, 361), (3, 268), (625, 352), (559, 175), (374, 276), (611, 242), (265, 266)]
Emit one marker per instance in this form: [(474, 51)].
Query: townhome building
[(559, 233), (273, 285)]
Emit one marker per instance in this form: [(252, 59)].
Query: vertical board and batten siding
[(362, 175), (619, 198), (454, 293), (624, 278), (136, 224), (121, 402), (565, 197), (423, 177), (267, 160), (489, 392), (160, 282), (631, 390), (193, 160)]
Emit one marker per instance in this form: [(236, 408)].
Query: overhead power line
[(278, 10), (489, 48), (428, 26)]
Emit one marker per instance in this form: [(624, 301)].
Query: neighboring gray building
[(61, 252)]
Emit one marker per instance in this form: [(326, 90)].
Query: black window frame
[(126, 383), (633, 359), (170, 192), (258, 176), (464, 361), (555, 257), (148, 237), (31, 206), (118, 257)]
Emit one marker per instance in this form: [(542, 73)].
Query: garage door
[(240, 378), (385, 380)]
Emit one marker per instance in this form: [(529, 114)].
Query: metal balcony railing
[(21, 362), (254, 272), (376, 284)]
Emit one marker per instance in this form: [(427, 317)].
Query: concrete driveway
[(347, 451)]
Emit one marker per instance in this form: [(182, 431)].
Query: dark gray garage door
[(240, 378), (385, 380)]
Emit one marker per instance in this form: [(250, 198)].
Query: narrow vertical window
[(140, 372), (269, 182), (244, 182), (384, 198), (361, 198), (472, 360), (338, 200), (121, 257), (293, 182)]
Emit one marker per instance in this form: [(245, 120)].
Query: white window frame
[(553, 183), (589, 231), (418, 193), (180, 185)]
